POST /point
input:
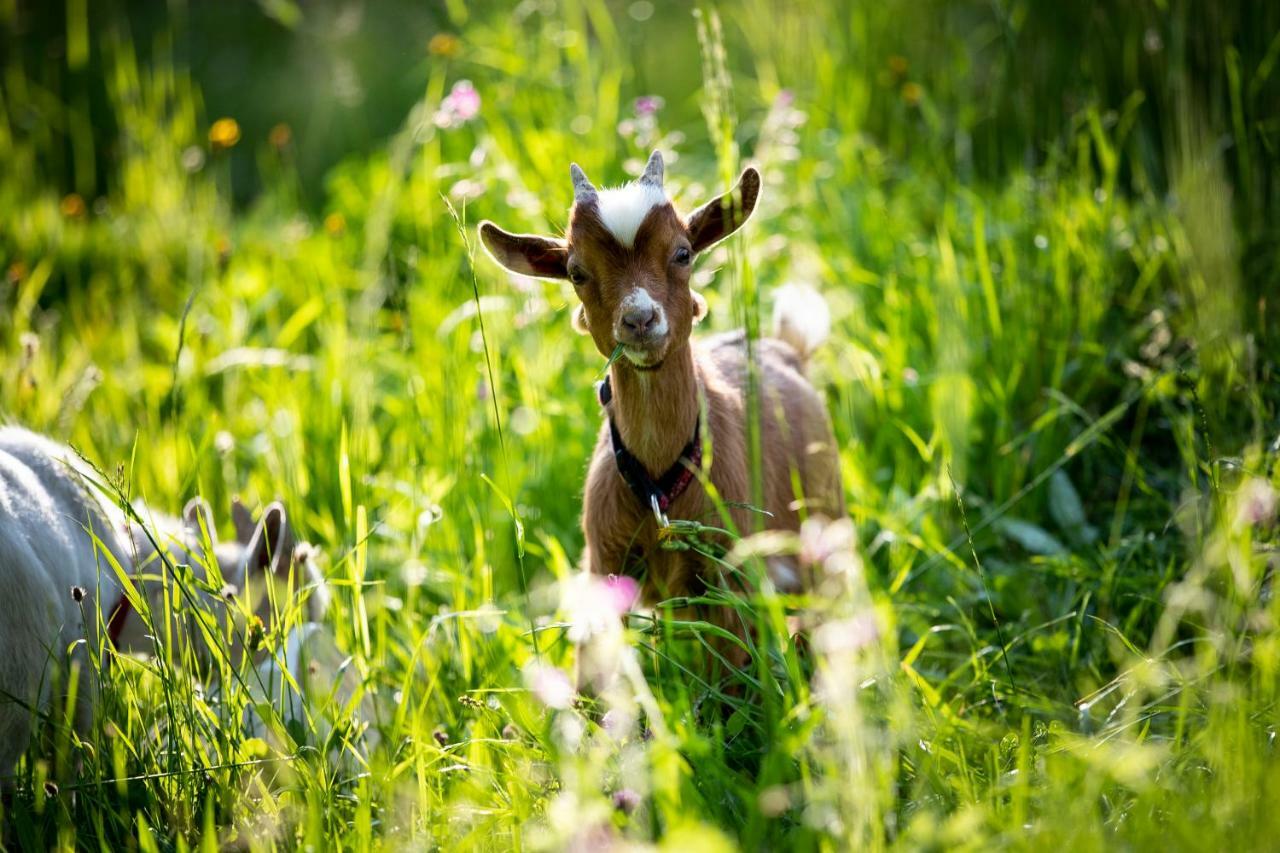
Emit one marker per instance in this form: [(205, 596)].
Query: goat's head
[(259, 568), (629, 255)]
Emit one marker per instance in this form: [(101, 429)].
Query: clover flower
[(647, 105), (460, 106), (593, 605), (550, 685)]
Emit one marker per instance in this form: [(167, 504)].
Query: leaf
[(254, 748), (1032, 537), (737, 722), (1067, 510), (511, 510)]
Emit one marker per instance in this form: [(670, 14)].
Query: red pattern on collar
[(119, 616)]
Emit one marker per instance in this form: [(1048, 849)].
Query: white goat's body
[(58, 534), (312, 683), (46, 549)]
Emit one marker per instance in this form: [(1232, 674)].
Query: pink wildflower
[(460, 106)]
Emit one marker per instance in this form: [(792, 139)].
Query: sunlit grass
[(1051, 384)]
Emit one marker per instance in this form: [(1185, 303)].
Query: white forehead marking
[(623, 209)]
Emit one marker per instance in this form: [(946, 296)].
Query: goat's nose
[(640, 319)]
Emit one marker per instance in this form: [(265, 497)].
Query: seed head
[(626, 800), (257, 633)]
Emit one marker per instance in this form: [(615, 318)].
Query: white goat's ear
[(580, 320), (198, 518), (527, 254), (699, 307), (721, 216), (243, 521), (272, 543)]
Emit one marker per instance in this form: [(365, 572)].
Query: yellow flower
[(335, 224), (912, 93), (224, 133), (280, 136), (898, 65), (72, 206), (17, 271), (444, 44)]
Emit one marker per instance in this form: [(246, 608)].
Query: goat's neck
[(656, 410)]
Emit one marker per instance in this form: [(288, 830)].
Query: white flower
[(846, 635), (1258, 503), (593, 605), (829, 545), (550, 685)]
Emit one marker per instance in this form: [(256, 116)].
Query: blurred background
[(994, 87)]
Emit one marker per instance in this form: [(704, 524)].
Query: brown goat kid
[(629, 255)]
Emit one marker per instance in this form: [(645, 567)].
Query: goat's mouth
[(645, 356)]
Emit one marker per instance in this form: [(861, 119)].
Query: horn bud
[(582, 188), (653, 170)]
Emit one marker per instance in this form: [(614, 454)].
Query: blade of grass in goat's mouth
[(617, 353)]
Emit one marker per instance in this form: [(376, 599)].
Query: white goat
[(58, 588)]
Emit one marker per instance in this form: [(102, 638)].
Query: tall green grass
[(1052, 377)]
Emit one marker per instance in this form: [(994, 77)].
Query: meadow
[(238, 257)]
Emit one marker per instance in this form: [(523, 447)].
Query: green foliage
[(1047, 238)]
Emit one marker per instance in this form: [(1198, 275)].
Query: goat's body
[(798, 459), (58, 533), (629, 255), (46, 548)]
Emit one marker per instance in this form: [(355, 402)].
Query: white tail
[(801, 317)]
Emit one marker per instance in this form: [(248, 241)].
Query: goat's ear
[(721, 216), (198, 517), (699, 306), (527, 254), (580, 320), (243, 521), (272, 544)]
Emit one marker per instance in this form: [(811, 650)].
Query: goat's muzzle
[(641, 328)]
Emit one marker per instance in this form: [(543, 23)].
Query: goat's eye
[(577, 276), (682, 256)]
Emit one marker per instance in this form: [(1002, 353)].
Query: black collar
[(654, 495)]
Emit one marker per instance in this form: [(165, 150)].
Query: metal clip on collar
[(658, 514)]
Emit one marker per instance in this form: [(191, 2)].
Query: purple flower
[(618, 722), (647, 105), (460, 106), (626, 800), (1258, 503), (785, 98)]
